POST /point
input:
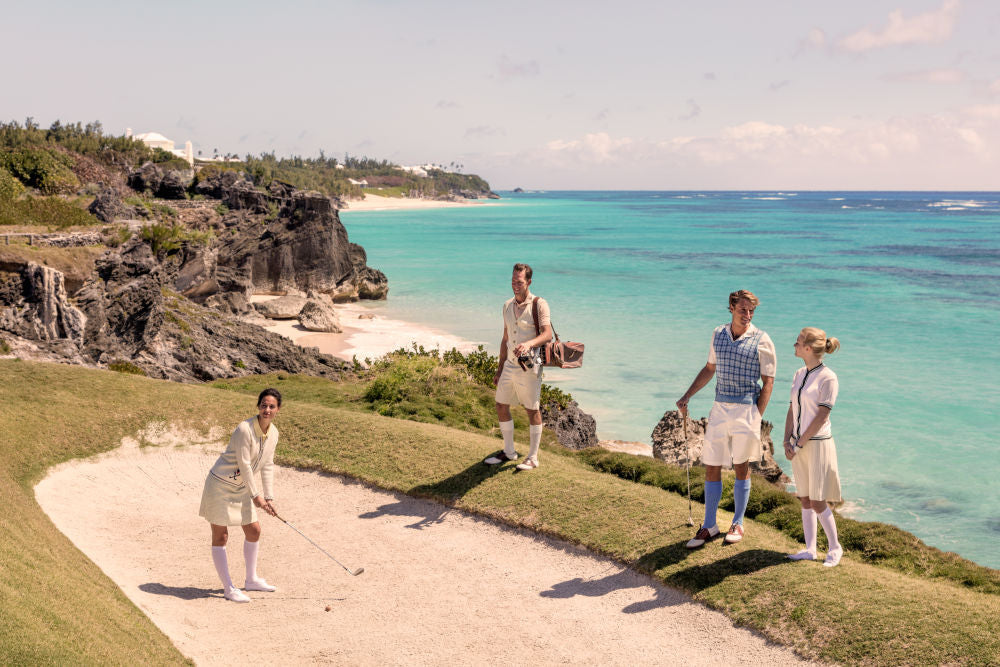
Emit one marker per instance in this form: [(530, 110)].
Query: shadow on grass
[(700, 577), (182, 592), (622, 580), (448, 491)]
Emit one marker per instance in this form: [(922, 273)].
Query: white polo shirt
[(812, 388)]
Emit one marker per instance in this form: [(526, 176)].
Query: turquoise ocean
[(909, 282)]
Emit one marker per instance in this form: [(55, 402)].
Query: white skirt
[(225, 505), (814, 468)]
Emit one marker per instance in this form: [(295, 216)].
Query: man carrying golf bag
[(519, 373)]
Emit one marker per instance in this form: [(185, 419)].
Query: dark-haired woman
[(809, 442), (240, 482)]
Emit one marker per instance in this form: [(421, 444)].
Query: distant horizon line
[(770, 190)]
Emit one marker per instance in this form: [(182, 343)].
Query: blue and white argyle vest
[(737, 366)]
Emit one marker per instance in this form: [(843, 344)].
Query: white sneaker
[(235, 595), (833, 557), (259, 585), (805, 554)]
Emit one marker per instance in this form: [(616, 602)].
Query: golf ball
[(328, 607)]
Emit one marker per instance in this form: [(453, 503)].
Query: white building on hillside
[(157, 140)]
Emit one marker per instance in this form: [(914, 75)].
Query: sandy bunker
[(439, 586)]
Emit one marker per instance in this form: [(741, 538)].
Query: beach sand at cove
[(376, 203), (439, 587), (365, 334)]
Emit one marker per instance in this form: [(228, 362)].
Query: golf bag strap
[(534, 316)]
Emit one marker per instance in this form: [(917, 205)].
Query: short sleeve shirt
[(813, 388), (765, 351)]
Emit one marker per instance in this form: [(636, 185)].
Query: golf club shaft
[(317, 546)]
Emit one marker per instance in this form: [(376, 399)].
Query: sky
[(623, 95)]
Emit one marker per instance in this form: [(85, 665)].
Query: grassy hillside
[(57, 607)]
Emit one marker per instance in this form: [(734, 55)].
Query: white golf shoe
[(259, 585), (805, 554), (833, 557), (235, 595)]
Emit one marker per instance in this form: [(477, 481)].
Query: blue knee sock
[(713, 494), (741, 496)]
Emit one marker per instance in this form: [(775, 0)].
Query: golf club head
[(358, 571)]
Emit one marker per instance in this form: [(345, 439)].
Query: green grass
[(48, 212), (57, 607)]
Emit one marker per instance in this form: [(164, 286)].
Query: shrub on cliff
[(51, 212), (47, 170), (10, 187)]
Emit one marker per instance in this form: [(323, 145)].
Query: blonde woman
[(233, 492), (809, 442)]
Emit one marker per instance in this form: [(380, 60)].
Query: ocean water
[(909, 283)]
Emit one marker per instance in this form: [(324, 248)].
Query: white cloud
[(995, 87), (485, 131), (597, 147), (945, 75), (931, 27), (447, 104), (986, 112), (693, 111), (507, 70)]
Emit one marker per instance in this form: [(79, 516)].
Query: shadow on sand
[(621, 580), (443, 493)]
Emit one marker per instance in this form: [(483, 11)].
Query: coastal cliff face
[(178, 307), (670, 445)]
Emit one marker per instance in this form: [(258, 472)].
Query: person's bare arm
[(765, 393), (704, 377), (789, 424), (503, 356)]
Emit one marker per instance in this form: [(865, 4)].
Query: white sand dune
[(439, 587)]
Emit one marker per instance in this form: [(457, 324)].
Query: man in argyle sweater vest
[(742, 359)]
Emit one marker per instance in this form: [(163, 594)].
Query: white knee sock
[(250, 558), (534, 440), (809, 528), (222, 566), (507, 430), (830, 528)]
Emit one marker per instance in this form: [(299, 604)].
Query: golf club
[(353, 573), (687, 443)]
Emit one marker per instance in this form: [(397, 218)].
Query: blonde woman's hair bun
[(832, 345), (816, 340)]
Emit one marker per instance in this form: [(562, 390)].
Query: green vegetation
[(856, 613), (121, 366), (10, 187), (43, 168), (88, 140), (52, 213), (4, 346), (164, 239)]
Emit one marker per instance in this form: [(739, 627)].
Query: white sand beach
[(366, 334), (439, 586), (377, 203)]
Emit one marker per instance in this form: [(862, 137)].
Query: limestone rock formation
[(285, 307), (371, 284), (318, 315), (573, 427), (670, 445), (43, 311)]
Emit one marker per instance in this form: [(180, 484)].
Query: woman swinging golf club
[(809, 442), (233, 492)]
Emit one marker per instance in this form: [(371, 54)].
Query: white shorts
[(814, 468), (732, 435), (517, 386)]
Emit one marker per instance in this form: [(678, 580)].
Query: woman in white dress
[(240, 482), (809, 442)]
